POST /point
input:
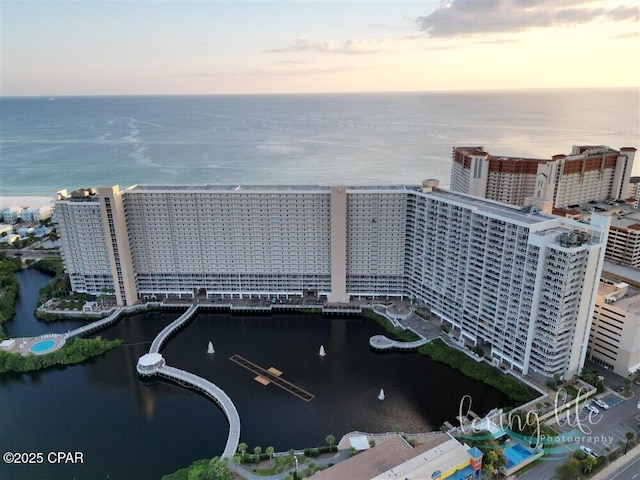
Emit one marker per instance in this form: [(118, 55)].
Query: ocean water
[(72, 142)]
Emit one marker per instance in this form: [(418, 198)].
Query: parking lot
[(603, 431)]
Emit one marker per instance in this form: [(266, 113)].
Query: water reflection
[(103, 409)]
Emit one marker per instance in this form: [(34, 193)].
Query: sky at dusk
[(210, 47)]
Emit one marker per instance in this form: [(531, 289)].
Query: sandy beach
[(24, 201)]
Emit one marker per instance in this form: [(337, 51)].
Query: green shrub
[(516, 391), (8, 288)]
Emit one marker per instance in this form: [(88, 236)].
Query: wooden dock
[(272, 375)]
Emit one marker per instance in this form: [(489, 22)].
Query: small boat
[(381, 394), (210, 349), (322, 352)]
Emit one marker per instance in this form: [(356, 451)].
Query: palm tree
[(257, 451), (588, 463), (629, 436), (311, 466), (330, 439), (242, 448), (218, 469), (269, 452)]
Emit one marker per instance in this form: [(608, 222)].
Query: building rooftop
[(395, 458), (448, 454), (472, 150), (370, 463), (261, 188), (621, 273), (519, 214), (623, 215), (630, 304), (627, 218), (629, 296)]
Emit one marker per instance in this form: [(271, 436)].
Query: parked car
[(588, 451), (591, 408), (601, 404)]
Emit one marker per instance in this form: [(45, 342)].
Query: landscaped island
[(74, 351)]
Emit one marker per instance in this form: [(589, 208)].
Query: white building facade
[(614, 341), (521, 284), (518, 282), (84, 247)]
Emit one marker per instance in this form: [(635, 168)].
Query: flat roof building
[(439, 457), (517, 281), (634, 191), (614, 341)]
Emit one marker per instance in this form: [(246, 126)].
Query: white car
[(601, 404), (588, 451), (592, 409)]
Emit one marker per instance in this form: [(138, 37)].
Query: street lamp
[(296, 459)]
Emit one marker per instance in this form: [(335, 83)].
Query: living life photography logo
[(528, 428)]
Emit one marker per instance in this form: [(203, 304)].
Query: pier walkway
[(153, 363), (170, 329), (272, 377), (97, 325), (398, 320), (216, 394), (380, 342)]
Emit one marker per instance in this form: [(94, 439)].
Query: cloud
[(350, 47), (622, 13), (469, 17)]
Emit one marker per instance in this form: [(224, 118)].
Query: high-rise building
[(634, 191), (519, 282), (588, 173), (614, 341)]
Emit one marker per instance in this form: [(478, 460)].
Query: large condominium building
[(587, 173), (614, 341), (634, 191), (519, 282)]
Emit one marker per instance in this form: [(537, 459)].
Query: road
[(628, 471), (33, 254)]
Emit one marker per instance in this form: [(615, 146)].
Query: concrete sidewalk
[(246, 474)]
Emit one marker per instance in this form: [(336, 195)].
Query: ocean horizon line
[(54, 96)]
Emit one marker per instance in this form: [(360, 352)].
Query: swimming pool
[(516, 454), (42, 346)]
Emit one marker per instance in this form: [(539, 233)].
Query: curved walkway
[(172, 327), (216, 394), (153, 363), (380, 342)]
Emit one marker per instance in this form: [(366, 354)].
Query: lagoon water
[(127, 429)]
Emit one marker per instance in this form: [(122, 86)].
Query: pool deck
[(22, 345)]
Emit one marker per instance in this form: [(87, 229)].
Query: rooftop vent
[(573, 239)]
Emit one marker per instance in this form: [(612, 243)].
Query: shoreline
[(25, 200)]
